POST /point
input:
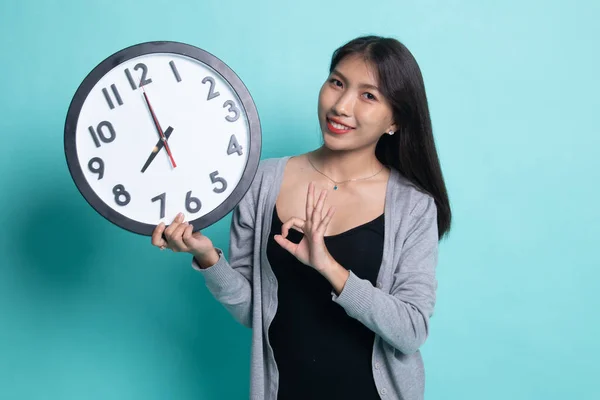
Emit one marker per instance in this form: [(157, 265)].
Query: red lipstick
[(335, 130)]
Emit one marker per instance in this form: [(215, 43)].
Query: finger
[(189, 238), (187, 235), (325, 223), (292, 222), (171, 228), (177, 235), (318, 211), (286, 244), (309, 200), (295, 222), (157, 239)]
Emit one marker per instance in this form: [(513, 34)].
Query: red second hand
[(162, 135)]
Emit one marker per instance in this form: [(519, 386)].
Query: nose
[(344, 104)]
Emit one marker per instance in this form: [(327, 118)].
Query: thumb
[(190, 238), (286, 244)]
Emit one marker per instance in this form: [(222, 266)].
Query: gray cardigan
[(397, 309)]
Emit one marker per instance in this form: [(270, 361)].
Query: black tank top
[(320, 351)]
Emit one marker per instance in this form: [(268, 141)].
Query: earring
[(390, 133)]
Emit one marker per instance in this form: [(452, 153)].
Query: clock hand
[(158, 128), (159, 145)]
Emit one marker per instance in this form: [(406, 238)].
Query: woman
[(333, 253)]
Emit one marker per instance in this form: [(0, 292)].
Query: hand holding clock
[(180, 238)]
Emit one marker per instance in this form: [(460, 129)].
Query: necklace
[(335, 183)]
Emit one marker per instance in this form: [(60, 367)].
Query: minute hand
[(159, 145), (159, 129)]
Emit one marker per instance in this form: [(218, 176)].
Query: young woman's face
[(353, 113)]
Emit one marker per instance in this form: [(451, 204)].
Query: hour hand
[(159, 145)]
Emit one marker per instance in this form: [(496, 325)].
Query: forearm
[(230, 286), (336, 275), (205, 261), (401, 320), (399, 311)]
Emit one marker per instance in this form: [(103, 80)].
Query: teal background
[(89, 311)]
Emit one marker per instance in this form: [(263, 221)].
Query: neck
[(344, 165)]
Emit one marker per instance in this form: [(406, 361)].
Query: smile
[(336, 127)]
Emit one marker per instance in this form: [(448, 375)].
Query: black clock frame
[(254, 151)]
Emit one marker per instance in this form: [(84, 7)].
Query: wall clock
[(160, 128)]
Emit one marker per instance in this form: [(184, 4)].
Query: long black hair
[(411, 150)]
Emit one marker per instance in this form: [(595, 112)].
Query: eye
[(335, 82), (369, 96)]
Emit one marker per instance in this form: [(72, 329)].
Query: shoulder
[(266, 177), (409, 198), (270, 166), (414, 213), (268, 173), (269, 170)]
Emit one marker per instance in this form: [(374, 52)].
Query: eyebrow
[(363, 85)]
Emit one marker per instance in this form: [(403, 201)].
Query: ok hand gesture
[(311, 250)]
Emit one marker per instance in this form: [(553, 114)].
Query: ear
[(392, 128)]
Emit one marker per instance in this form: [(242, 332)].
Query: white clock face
[(205, 124)]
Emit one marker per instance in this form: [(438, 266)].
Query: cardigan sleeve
[(230, 282), (401, 317)]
